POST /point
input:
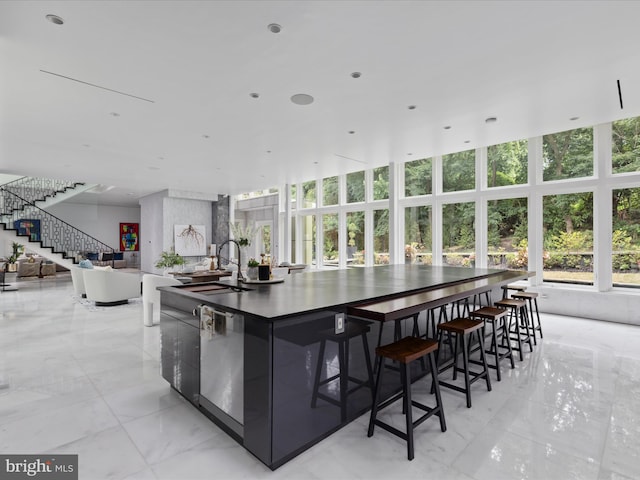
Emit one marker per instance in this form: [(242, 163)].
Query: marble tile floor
[(83, 381)]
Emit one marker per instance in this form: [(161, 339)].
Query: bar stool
[(531, 298), (514, 287), (517, 317), (405, 351), (496, 317), (460, 328), (353, 328)]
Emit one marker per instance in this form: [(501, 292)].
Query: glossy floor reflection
[(87, 381)]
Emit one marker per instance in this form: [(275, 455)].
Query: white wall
[(151, 227), (159, 214), (100, 221)]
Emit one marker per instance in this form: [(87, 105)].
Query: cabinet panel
[(180, 356)]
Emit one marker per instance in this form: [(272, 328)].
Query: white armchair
[(151, 296), (108, 287), (78, 281)]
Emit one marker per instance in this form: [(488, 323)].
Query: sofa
[(107, 259), (107, 287), (35, 266)]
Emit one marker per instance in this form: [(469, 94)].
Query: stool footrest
[(431, 411), (475, 375)]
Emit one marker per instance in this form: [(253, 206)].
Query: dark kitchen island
[(249, 356)]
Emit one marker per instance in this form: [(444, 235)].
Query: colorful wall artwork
[(129, 237), (28, 227)]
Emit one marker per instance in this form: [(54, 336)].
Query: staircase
[(57, 240)]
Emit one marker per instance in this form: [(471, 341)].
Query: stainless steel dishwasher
[(222, 361)]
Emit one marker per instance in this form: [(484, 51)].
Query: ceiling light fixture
[(351, 132), (356, 75), (491, 120), (467, 141), (574, 118), (114, 114), (254, 95), (205, 136), (274, 28), (447, 127), (411, 107), (55, 19), (302, 99)]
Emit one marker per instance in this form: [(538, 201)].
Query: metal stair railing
[(56, 234), (33, 189)]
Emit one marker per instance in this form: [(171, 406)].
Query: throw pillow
[(85, 264)]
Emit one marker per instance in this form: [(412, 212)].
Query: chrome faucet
[(240, 277)]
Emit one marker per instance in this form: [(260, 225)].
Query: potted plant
[(169, 259), (252, 269), (17, 250)]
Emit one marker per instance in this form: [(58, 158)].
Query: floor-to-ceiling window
[(458, 234), (536, 203), (507, 238), (417, 235)]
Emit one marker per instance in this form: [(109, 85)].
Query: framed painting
[(29, 228), (190, 240), (129, 237)]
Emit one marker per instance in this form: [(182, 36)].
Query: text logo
[(49, 467)]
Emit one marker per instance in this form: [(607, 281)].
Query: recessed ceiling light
[(356, 75), (490, 120), (447, 127), (268, 151), (114, 114), (254, 95), (205, 136), (55, 19), (574, 118), (411, 107), (274, 28), (302, 99), (351, 132), (467, 141), (315, 163), (409, 153)]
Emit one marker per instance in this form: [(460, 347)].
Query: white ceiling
[(533, 65)]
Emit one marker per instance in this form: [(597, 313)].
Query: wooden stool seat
[(461, 325), (405, 351), (490, 313), (460, 328), (524, 295), (496, 317)]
